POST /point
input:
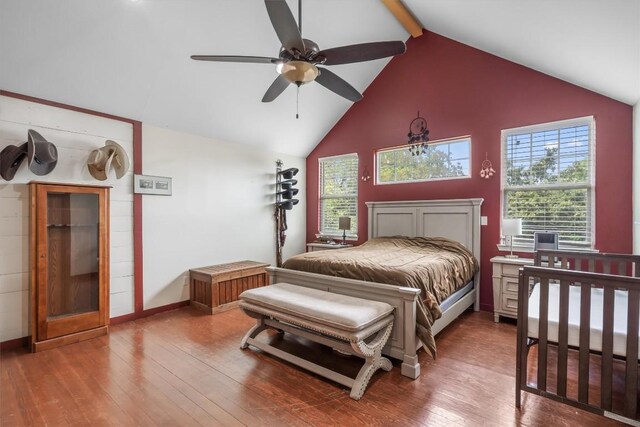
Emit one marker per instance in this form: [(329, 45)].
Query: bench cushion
[(327, 308)]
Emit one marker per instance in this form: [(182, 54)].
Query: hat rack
[(285, 200)]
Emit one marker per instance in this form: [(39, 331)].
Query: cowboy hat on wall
[(41, 155), (11, 158), (102, 159)]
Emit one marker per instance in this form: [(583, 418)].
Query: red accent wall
[(461, 91)]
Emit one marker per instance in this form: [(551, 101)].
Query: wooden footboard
[(561, 374), (403, 343)]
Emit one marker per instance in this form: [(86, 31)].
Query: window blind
[(548, 181), (338, 192)]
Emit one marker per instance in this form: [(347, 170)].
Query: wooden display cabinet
[(69, 263)]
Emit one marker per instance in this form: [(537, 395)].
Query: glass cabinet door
[(73, 279)]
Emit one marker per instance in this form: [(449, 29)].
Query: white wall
[(75, 135), (636, 178), (221, 209)]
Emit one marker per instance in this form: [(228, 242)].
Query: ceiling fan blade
[(235, 58), (362, 52), (336, 84), (277, 87), (285, 25)]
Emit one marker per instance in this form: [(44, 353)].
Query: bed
[(457, 220), (583, 305)]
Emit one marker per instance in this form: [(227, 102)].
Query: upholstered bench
[(342, 322)]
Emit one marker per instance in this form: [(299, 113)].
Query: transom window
[(338, 193), (548, 180), (441, 160)]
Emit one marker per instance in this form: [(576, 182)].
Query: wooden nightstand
[(312, 247), (505, 285)]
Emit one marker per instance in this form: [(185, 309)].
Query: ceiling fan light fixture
[(298, 72)]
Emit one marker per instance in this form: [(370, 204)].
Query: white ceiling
[(132, 58)]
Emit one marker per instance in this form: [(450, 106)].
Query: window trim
[(352, 234), (504, 133), (412, 181)]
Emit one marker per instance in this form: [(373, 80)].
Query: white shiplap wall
[(75, 134)]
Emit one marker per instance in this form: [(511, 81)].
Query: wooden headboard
[(456, 219)]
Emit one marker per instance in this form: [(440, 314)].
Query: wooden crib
[(577, 305)]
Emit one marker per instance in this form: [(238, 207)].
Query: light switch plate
[(484, 220)]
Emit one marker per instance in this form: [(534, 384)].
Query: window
[(548, 180), (441, 160), (338, 193)]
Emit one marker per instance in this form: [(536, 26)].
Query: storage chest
[(216, 285)]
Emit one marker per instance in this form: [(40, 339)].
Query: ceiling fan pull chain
[(297, 100)]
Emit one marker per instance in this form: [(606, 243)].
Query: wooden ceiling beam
[(404, 16)]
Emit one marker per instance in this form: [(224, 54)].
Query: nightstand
[(505, 285), (312, 247)]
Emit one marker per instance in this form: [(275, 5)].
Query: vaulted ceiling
[(131, 58)]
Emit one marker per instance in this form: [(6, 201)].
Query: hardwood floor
[(185, 368)]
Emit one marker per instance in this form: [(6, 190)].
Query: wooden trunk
[(216, 285)]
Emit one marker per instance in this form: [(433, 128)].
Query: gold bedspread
[(435, 265)]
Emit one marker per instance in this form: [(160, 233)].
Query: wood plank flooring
[(184, 368)]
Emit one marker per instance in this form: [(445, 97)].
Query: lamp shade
[(344, 223), (512, 226)]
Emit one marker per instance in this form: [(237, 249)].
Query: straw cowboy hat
[(102, 159), (10, 159), (42, 155)]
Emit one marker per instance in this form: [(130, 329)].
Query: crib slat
[(523, 327), (585, 326), (592, 264), (542, 333), (622, 268), (564, 263), (563, 339), (631, 380), (607, 348)]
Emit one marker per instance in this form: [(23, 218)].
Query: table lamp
[(344, 224), (511, 227)]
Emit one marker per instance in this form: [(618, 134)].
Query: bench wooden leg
[(372, 353), (253, 332)]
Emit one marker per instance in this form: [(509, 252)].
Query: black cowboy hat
[(285, 185), (287, 204), (10, 159), (289, 193), (289, 173)]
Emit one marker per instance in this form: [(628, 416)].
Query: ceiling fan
[(299, 58)]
